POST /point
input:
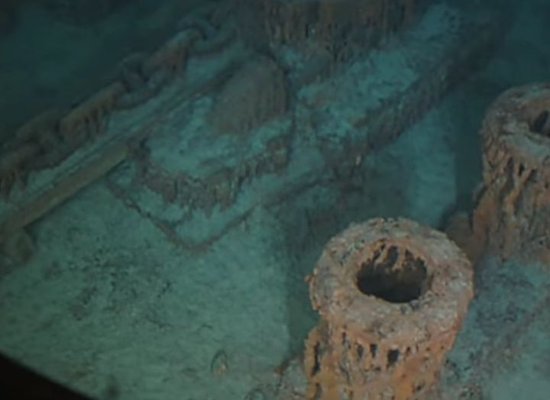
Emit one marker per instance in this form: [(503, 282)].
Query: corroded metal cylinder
[(392, 295), (512, 214)]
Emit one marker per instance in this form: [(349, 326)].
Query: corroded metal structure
[(512, 216), (185, 85), (256, 94), (392, 296), (342, 28)]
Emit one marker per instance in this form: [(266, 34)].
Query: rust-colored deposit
[(392, 295), (512, 216)]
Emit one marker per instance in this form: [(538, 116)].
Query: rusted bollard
[(392, 295), (512, 215)]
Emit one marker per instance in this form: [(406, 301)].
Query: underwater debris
[(512, 214), (392, 295)]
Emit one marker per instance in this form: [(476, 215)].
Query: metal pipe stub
[(392, 295), (512, 215)]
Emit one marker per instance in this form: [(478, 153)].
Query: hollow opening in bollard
[(394, 275), (541, 123)]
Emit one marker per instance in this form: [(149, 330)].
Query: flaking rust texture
[(340, 27), (206, 53), (512, 215), (50, 138), (392, 295)]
